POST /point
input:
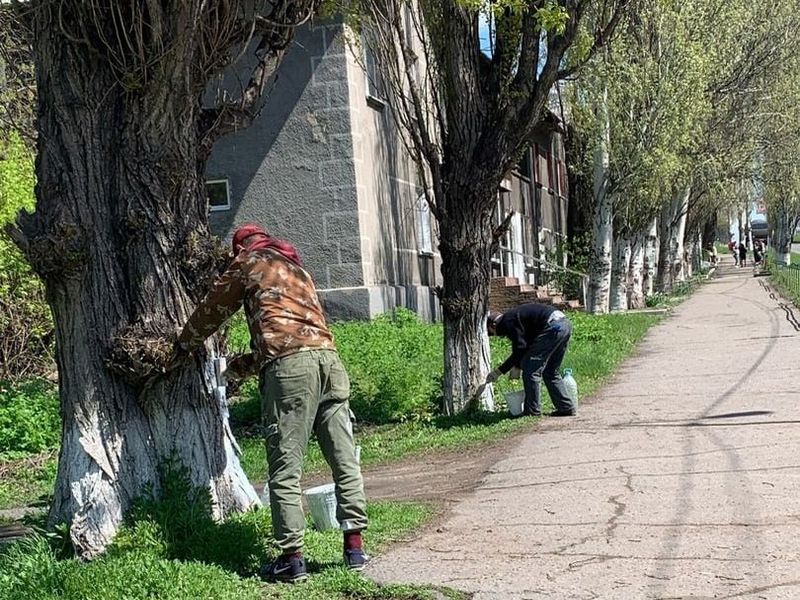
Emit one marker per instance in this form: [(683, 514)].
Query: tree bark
[(603, 235), (785, 225), (466, 273), (672, 230), (637, 276), (651, 258), (619, 273), (678, 241), (118, 239)]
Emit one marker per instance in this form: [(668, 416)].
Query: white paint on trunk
[(105, 466), (672, 229), (636, 274), (680, 213), (461, 381), (651, 258), (602, 242), (619, 274)]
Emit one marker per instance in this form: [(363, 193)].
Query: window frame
[(219, 207)]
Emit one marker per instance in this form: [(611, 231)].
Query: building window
[(550, 174), (556, 177), (424, 237), (376, 88), (218, 194), (524, 165)]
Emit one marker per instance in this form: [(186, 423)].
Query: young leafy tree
[(17, 84), (120, 238), (680, 92), (466, 111), (780, 147)]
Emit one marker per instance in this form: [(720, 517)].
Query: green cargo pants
[(304, 392)]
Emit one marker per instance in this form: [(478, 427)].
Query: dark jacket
[(522, 325)]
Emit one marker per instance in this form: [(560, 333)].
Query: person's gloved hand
[(515, 373), (493, 376)]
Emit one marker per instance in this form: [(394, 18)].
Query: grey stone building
[(324, 168)]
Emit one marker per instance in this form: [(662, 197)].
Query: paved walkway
[(681, 479)]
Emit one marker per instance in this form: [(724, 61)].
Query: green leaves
[(552, 17)]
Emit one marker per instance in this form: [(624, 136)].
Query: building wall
[(324, 169), (551, 187), (396, 272), (292, 170)]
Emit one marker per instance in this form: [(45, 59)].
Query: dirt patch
[(439, 476)]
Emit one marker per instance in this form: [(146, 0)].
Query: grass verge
[(170, 553), (27, 481), (599, 345)]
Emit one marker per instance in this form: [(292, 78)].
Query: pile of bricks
[(506, 293)]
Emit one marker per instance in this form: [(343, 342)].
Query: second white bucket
[(515, 402), (322, 504)]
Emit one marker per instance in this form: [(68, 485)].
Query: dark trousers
[(543, 361)]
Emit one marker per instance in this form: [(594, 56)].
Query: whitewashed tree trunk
[(680, 213), (465, 295), (743, 227), (672, 229), (651, 258), (603, 234), (636, 274), (619, 274)]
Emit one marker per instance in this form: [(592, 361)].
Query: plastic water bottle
[(571, 385)]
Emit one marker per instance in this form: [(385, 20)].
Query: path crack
[(619, 506)]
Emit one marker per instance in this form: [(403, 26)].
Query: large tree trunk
[(603, 234), (619, 273), (464, 297), (118, 237)]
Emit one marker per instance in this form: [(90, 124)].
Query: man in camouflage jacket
[(304, 387)]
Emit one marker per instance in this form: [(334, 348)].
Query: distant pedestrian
[(742, 254), (734, 252), (539, 336)]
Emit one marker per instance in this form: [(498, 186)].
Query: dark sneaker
[(355, 560), (285, 569), (562, 413)]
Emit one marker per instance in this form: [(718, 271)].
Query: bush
[(394, 363), (395, 366), (29, 418), (25, 322)]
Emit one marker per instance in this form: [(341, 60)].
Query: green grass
[(173, 550), (26, 481), (787, 279)]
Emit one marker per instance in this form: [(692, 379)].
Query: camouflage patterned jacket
[(280, 301)]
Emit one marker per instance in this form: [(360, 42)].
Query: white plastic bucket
[(322, 504), (515, 402)]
